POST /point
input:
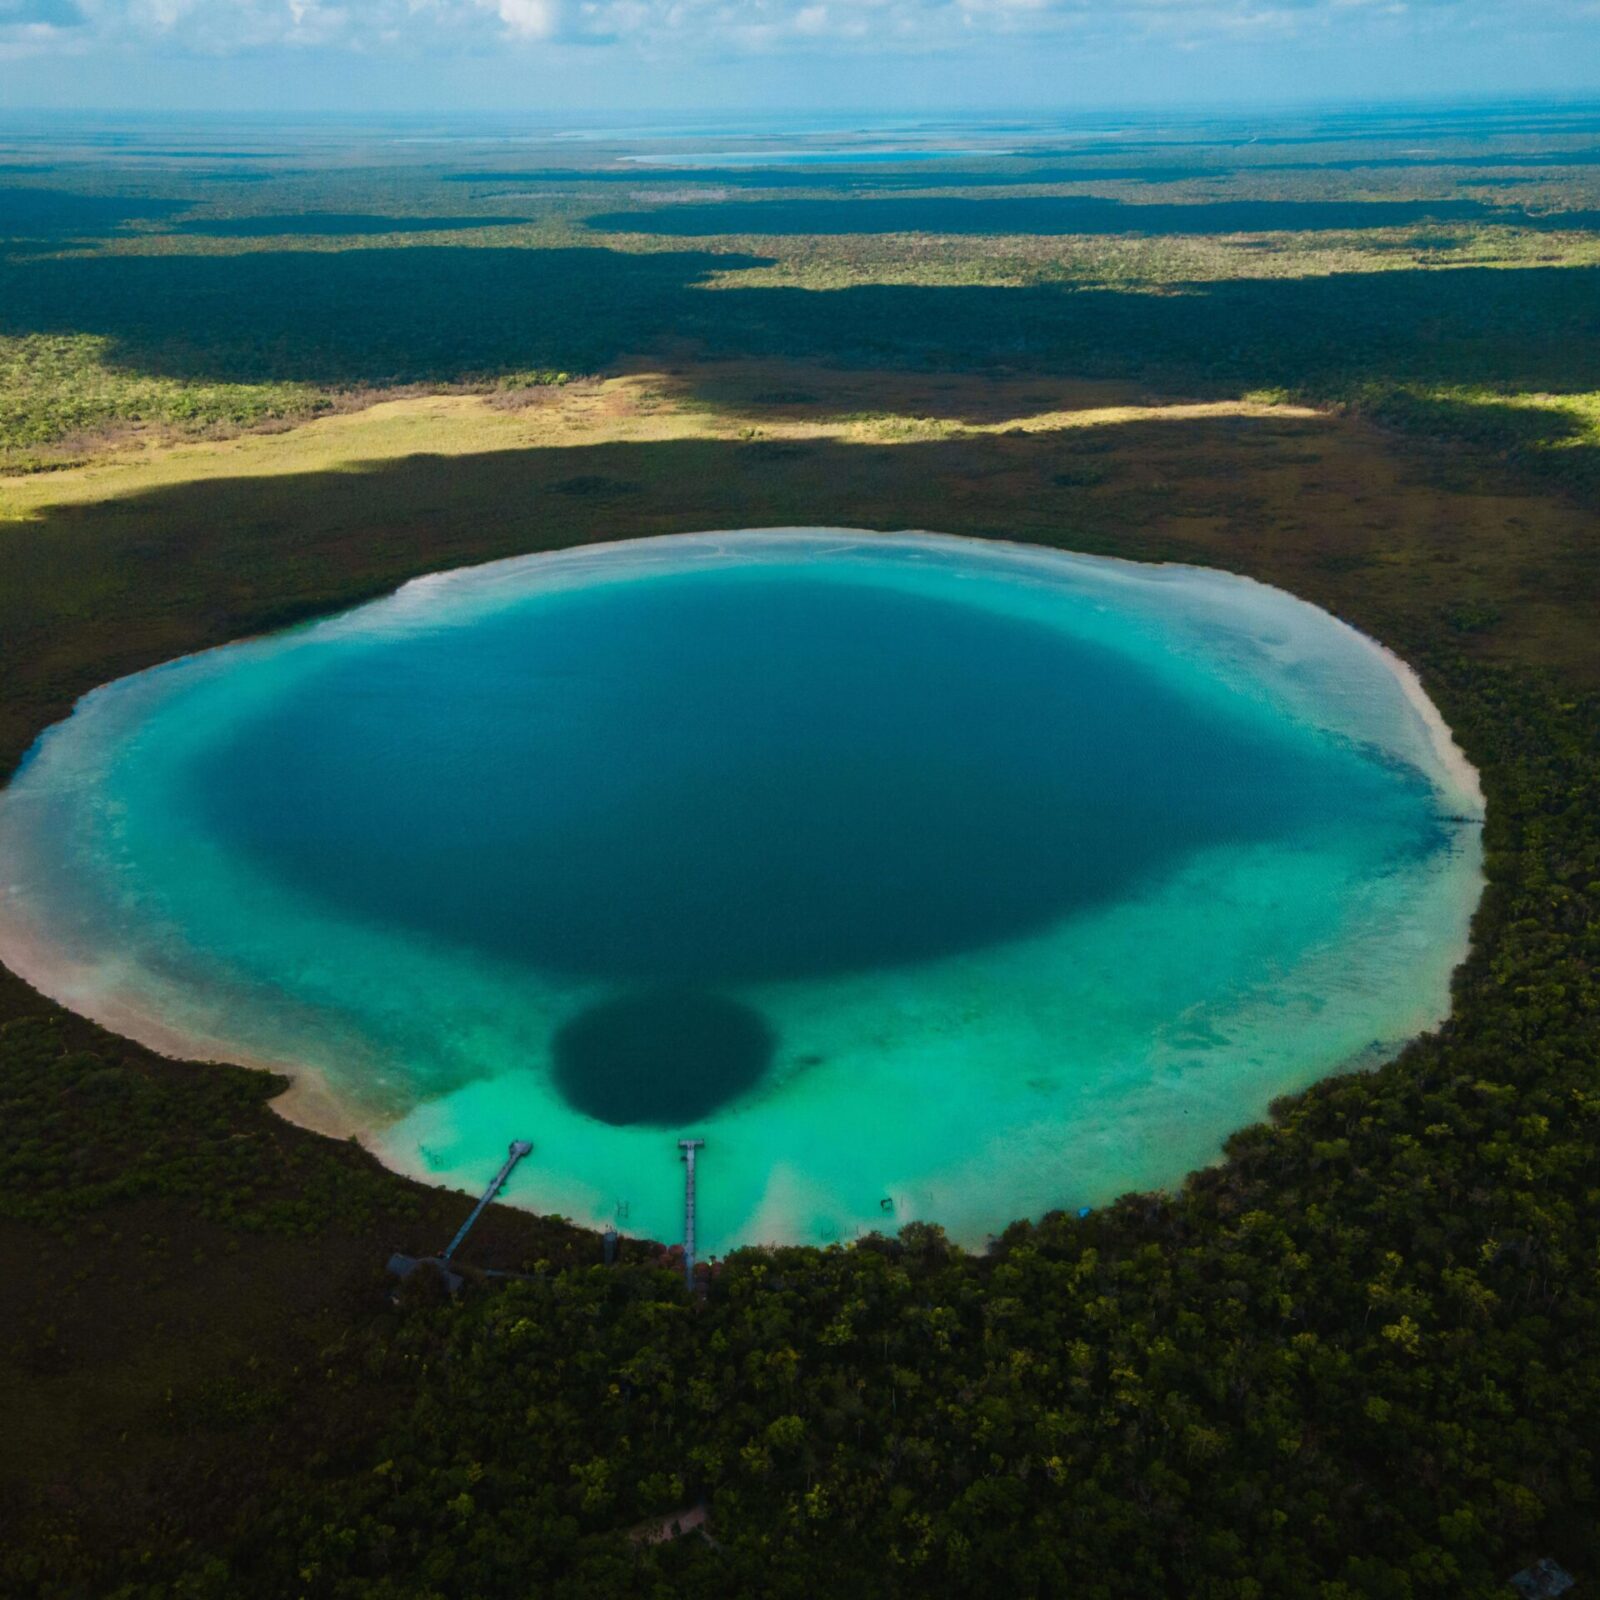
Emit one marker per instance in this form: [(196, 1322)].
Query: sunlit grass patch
[(55, 386), (1556, 434)]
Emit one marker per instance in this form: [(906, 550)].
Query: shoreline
[(309, 1101), (1440, 734)]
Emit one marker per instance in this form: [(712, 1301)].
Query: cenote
[(921, 877)]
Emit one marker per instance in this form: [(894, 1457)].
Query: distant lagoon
[(800, 157), (921, 877)]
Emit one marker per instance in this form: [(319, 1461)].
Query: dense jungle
[(253, 379)]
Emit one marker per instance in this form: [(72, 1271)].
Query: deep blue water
[(750, 776)]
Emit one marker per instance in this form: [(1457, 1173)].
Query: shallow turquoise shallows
[(920, 877)]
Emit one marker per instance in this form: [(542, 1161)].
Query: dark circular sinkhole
[(663, 1059)]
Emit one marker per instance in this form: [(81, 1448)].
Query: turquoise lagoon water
[(921, 877)]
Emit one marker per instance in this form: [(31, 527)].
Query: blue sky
[(575, 56)]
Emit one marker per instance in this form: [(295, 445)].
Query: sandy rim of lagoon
[(61, 979), (1452, 758), (309, 1102)]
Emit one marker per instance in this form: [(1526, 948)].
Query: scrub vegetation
[(1354, 1359), (1403, 269)]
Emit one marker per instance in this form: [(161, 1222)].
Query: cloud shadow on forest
[(447, 313)]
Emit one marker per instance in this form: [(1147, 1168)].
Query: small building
[(403, 1266), (1544, 1580)]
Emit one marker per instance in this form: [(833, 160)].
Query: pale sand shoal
[(51, 970)]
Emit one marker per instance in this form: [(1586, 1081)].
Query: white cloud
[(709, 27), (525, 19)]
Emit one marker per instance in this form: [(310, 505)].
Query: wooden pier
[(402, 1266), (688, 1147), (519, 1149)]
